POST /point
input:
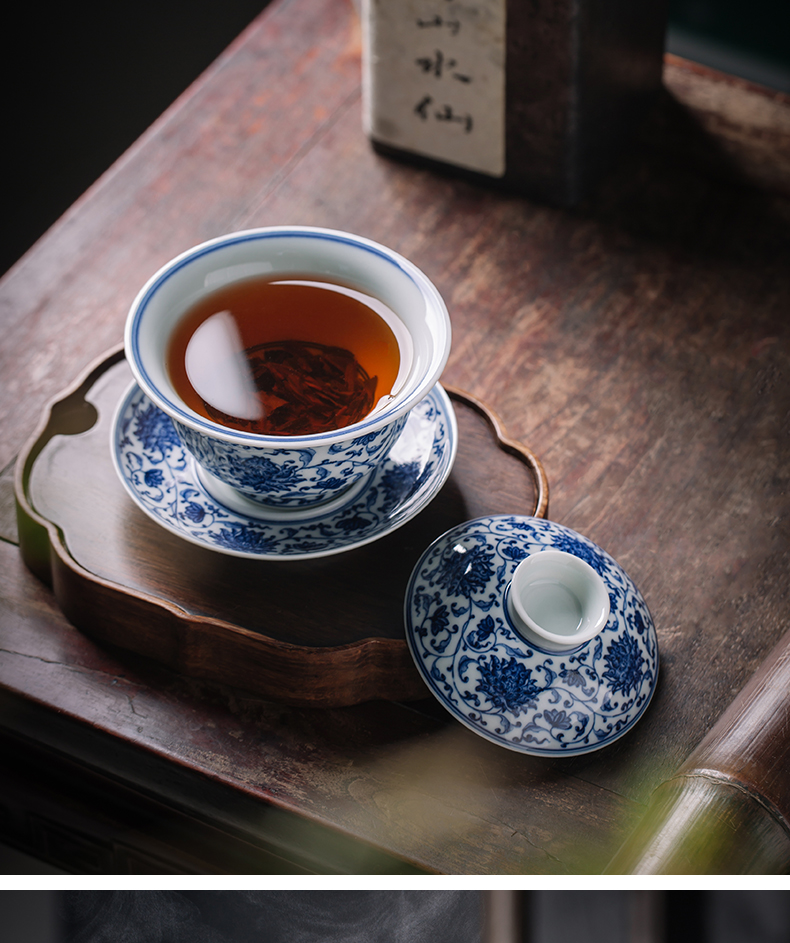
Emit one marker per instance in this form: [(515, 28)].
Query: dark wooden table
[(639, 344)]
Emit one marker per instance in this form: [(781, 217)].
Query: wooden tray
[(325, 632)]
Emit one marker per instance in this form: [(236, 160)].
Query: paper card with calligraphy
[(434, 79)]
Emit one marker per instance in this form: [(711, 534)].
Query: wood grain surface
[(638, 343)]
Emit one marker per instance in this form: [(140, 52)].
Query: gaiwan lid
[(543, 663)]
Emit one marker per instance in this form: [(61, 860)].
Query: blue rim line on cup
[(186, 258)]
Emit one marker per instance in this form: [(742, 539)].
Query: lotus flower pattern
[(506, 688), (161, 476)]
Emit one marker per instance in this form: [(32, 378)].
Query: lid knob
[(557, 601)]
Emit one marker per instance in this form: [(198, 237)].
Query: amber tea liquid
[(285, 357)]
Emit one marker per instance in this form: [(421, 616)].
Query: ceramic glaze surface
[(490, 678), (291, 477), (311, 468), (161, 476)]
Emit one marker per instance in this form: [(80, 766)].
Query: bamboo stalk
[(503, 915), (727, 810)]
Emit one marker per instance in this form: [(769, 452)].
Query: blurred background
[(392, 916), (751, 40), (82, 82)]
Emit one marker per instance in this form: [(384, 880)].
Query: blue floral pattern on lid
[(489, 677), (161, 477)]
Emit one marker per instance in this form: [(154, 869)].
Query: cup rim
[(367, 425), (569, 560)]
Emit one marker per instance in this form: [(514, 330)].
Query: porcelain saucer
[(504, 688), (163, 480)]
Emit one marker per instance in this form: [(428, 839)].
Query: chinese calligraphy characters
[(440, 65), (436, 84)]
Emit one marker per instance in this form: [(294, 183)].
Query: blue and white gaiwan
[(302, 471), (531, 635)]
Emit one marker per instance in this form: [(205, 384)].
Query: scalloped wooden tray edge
[(205, 647)]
